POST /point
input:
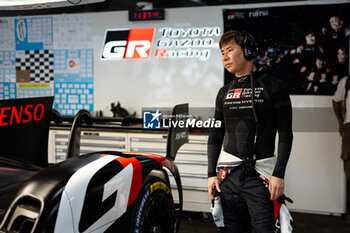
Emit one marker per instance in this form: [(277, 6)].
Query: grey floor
[(303, 223)]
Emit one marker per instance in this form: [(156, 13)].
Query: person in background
[(308, 53), (338, 31), (317, 75), (323, 37), (338, 37), (341, 106), (252, 108), (340, 69)]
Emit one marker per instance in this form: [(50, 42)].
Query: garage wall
[(315, 178)]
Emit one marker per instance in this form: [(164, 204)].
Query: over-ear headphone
[(250, 48)]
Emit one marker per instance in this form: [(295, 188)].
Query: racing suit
[(246, 199)]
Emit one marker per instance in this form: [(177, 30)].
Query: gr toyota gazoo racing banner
[(160, 43), (106, 191), (128, 43)]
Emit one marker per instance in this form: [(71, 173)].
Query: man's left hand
[(276, 187)]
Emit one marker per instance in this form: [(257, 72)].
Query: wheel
[(154, 212)]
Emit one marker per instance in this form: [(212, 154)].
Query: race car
[(107, 191)]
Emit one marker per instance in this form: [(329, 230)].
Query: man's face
[(341, 56), (335, 22), (319, 63), (233, 58), (310, 39)]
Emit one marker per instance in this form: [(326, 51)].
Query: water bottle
[(216, 209)]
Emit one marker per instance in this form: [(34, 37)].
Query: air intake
[(23, 216)]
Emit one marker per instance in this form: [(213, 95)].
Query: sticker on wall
[(33, 33), (34, 65), (7, 33), (74, 65), (72, 31), (27, 90), (70, 97), (7, 90), (7, 66)]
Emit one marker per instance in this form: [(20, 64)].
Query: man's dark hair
[(321, 57), (235, 36)]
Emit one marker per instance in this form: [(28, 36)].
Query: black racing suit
[(241, 194)]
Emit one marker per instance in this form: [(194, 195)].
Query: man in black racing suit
[(248, 133)]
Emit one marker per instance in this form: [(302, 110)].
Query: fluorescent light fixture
[(40, 4)]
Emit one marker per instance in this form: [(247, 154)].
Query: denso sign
[(21, 114)]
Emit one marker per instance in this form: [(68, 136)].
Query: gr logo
[(234, 94), (128, 43)]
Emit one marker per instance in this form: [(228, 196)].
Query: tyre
[(154, 211)]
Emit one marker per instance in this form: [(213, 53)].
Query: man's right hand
[(337, 107), (341, 126), (213, 182)]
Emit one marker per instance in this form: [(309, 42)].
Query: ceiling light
[(40, 4)]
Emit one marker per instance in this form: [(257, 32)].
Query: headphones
[(250, 48)]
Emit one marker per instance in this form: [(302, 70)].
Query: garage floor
[(303, 223)]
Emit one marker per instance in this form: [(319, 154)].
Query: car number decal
[(85, 206)]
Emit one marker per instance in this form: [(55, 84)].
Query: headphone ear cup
[(250, 50), (247, 54), (255, 50)]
